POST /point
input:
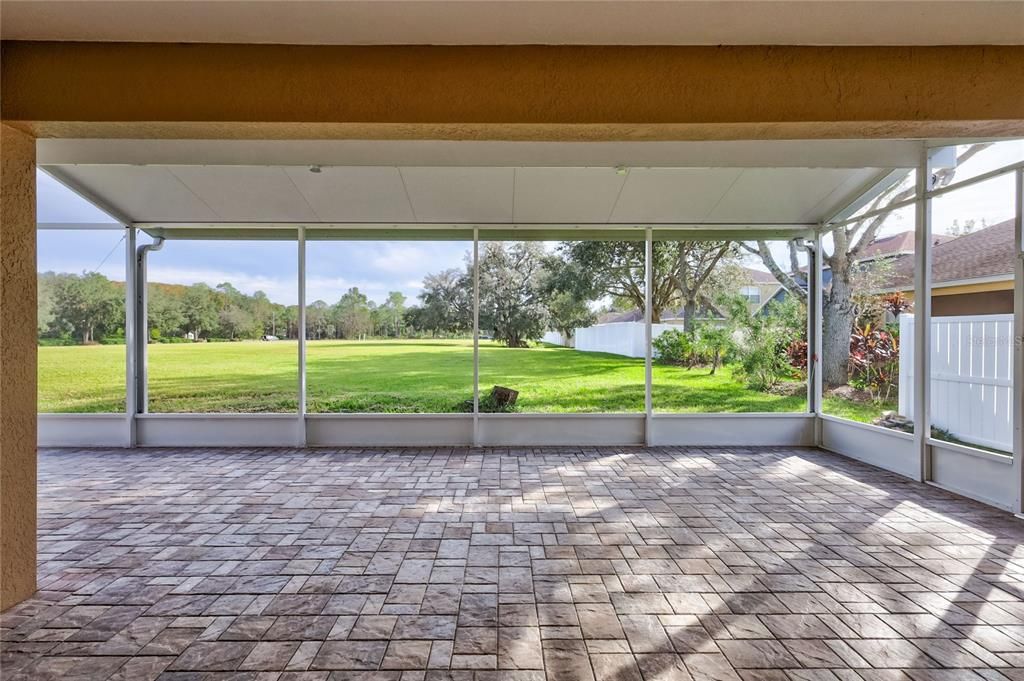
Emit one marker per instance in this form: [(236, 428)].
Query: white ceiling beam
[(705, 154), (79, 225), (525, 226), (864, 195)]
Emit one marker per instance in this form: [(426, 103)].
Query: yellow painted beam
[(511, 92)]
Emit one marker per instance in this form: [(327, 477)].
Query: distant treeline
[(524, 290), (89, 308)]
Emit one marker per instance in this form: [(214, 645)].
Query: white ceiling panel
[(854, 183), (247, 193), (672, 194), (468, 195), (150, 191), (460, 194), (566, 194), (354, 194), (777, 195)]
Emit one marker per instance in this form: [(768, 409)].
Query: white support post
[(1018, 347), (476, 337), (131, 374), (815, 311), (648, 336), (301, 435), (922, 315)]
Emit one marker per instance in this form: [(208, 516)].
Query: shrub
[(763, 364), (796, 353), (715, 344), (769, 348), (674, 346), (874, 362), (56, 342), (896, 303)]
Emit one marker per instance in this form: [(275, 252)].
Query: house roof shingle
[(897, 244), (988, 252)]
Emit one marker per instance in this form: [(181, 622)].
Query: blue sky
[(378, 267)]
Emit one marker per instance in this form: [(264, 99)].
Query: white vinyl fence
[(617, 338), (554, 338), (972, 377)]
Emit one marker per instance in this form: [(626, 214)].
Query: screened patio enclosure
[(306, 195)]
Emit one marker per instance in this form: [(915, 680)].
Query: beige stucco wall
[(17, 366), (511, 92), (989, 302)]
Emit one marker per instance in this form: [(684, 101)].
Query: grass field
[(391, 376)]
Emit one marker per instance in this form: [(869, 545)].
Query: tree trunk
[(837, 324), (655, 315), (714, 362), (689, 312)]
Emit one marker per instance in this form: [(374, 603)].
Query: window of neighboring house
[(751, 293)]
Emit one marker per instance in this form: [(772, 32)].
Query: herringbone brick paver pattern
[(597, 564)]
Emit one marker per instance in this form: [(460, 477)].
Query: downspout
[(812, 247), (142, 323), (814, 311)]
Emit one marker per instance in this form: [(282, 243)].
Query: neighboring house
[(760, 289), (895, 246), (971, 274)]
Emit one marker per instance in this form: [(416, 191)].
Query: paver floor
[(597, 564)]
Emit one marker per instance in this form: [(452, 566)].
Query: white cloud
[(282, 290), (401, 258)]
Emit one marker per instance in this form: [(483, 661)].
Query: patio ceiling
[(426, 190)]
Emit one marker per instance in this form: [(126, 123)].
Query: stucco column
[(17, 366)]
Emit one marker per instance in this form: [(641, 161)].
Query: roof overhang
[(509, 190)]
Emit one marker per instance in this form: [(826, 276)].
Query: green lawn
[(389, 376), (857, 411)]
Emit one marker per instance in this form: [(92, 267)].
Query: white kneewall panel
[(218, 430), (511, 430), (889, 449), (732, 430), (389, 430), (82, 430), (983, 476)]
